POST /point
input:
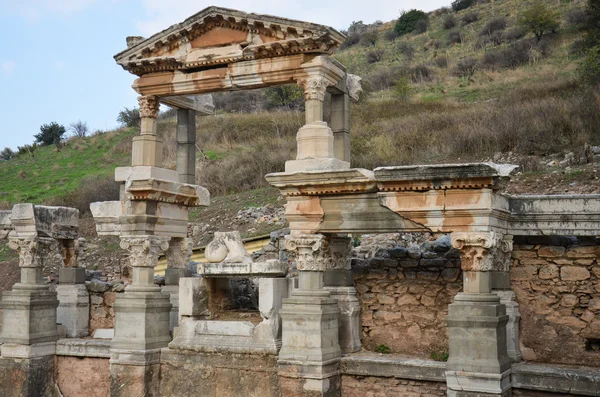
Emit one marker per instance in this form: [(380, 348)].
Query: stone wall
[(557, 285), (404, 289), (102, 299), (360, 386), (83, 376)]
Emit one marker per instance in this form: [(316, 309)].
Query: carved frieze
[(149, 106), (144, 250), (315, 252), (483, 251), (32, 251)]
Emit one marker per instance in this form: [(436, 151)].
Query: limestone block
[(147, 150), (71, 275), (73, 311), (508, 299), (349, 321), (141, 173), (106, 215), (465, 384), (193, 297), (43, 221), (269, 268), (5, 224), (104, 333)]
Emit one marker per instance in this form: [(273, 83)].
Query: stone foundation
[(83, 376), (360, 386), (27, 377)]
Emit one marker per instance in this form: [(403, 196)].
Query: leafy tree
[(287, 96), (79, 129), (50, 134), (129, 117), (6, 154), (408, 21), (539, 19), (458, 5)]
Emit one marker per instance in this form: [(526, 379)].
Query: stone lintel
[(30, 220), (555, 379), (269, 268), (323, 182), (202, 104), (83, 348), (370, 364)]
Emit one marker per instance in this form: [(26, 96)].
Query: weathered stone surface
[(33, 377), (551, 252), (548, 272), (572, 273), (83, 377)]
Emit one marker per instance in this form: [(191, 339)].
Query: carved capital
[(314, 87), (483, 251), (144, 250), (148, 106), (310, 250), (69, 250), (179, 252), (32, 251), (339, 253)]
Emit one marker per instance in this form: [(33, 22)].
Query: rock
[(398, 252), (453, 253), (359, 266), (386, 299), (414, 252), (574, 273), (382, 253), (450, 274), (159, 280), (442, 244), (437, 262), (92, 274), (409, 263), (551, 252), (430, 276), (96, 299), (430, 255), (548, 272), (98, 286)]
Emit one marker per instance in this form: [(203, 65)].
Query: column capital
[(310, 251), (32, 250), (483, 251), (149, 106), (179, 252), (314, 87), (145, 250)]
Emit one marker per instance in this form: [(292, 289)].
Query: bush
[(469, 18), (79, 129), (449, 22), (459, 5), (406, 49), (402, 89), (383, 349), (514, 34), (511, 57), (390, 35), (492, 60), (369, 39), (589, 68), (577, 48), (539, 19), (441, 11), (129, 117), (455, 37), (493, 39), (6, 154), (495, 25), (420, 73), (90, 191), (577, 17), (27, 149), (441, 62), (466, 67), (383, 78), (50, 134), (421, 26), (351, 39), (288, 97), (374, 56), (408, 21)]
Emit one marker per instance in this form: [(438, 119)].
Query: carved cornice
[(144, 250), (314, 87), (483, 251), (32, 251), (149, 106)]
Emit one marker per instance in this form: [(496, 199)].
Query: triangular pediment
[(222, 36)]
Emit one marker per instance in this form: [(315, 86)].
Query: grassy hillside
[(523, 103)]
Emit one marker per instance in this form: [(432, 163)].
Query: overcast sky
[(56, 57)]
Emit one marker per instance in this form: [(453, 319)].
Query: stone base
[(172, 291), (349, 321), (321, 164), (299, 387), (508, 299), (9, 350), (27, 377), (473, 384), (141, 320), (135, 373), (73, 312), (29, 315)]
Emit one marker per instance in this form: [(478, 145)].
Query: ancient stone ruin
[(500, 271)]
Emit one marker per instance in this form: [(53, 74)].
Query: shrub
[(129, 117), (374, 56), (408, 21), (369, 39), (459, 5), (440, 356), (382, 78), (492, 60), (437, 44), (577, 17), (455, 37), (514, 34), (406, 49), (577, 48), (91, 190), (383, 349), (390, 35), (289, 97), (441, 11), (50, 134), (466, 67), (589, 68), (79, 129), (6, 154), (495, 25), (469, 18), (421, 26), (516, 54), (493, 39), (449, 22), (27, 149), (402, 89), (539, 19), (420, 73), (441, 62), (351, 39)]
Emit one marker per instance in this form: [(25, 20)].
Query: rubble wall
[(557, 285), (360, 386), (102, 299), (405, 287)]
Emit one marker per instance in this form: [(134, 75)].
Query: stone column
[(477, 320), (340, 283), (29, 331), (340, 125), (74, 309), (186, 146), (310, 352), (501, 287), (315, 140), (178, 256), (147, 148), (141, 322)]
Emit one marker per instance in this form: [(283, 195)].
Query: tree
[(539, 19), (6, 154), (129, 117), (287, 96), (407, 22), (79, 129), (589, 68), (50, 134)]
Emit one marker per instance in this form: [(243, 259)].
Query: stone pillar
[(147, 148), (141, 322), (501, 287), (340, 125), (29, 331), (478, 361), (178, 256), (310, 352), (74, 309), (186, 146), (340, 283), (315, 140)]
